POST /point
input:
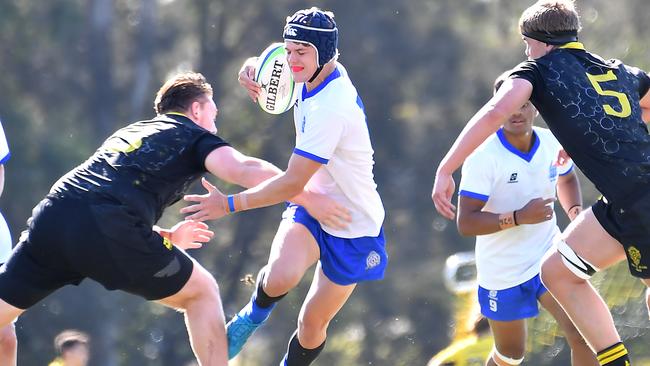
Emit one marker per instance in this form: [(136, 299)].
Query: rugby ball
[(273, 73)]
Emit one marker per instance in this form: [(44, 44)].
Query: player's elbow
[(496, 115)]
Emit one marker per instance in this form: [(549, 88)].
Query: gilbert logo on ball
[(278, 92)]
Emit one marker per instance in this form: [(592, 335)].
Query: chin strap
[(318, 70)]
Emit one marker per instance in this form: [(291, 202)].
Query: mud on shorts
[(68, 240)]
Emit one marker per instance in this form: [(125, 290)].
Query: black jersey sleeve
[(526, 70), (205, 144), (644, 79), (529, 70)]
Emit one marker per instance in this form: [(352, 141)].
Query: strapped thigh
[(576, 264)]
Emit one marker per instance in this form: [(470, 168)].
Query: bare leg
[(579, 299), (581, 354), (509, 340), (293, 251), (204, 318), (8, 346), (8, 342), (324, 299)]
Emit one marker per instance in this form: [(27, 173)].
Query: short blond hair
[(548, 16)]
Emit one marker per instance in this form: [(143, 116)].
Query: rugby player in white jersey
[(333, 156), (506, 197), (8, 342)]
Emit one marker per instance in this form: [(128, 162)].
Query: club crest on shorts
[(635, 257), (372, 260)]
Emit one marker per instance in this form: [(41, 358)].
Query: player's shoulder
[(341, 88)]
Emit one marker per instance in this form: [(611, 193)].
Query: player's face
[(302, 60), (205, 112), (536, 49), (521, 122)]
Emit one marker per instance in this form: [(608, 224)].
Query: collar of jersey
[(526, 156), (175, 115), (573, 46), (308, 94)]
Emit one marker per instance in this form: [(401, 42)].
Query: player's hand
[(209, 206), (327, 211), (562, 158), (443, 189), (246, 78), (536, 210), (190, 234)]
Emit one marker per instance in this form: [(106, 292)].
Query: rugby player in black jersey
[(98, 220), (596, 108)]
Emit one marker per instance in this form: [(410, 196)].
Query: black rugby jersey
[(592, 107), (146, 165)]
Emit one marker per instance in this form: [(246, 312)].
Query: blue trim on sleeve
[(526, 156), (6, 158), (231, 203), (567, 172), (308, 94), (478, 196), (310, 156), (360, 103)]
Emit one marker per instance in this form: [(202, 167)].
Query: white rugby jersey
[(506, 180), (331, 129), (4, 146), (5, 237)]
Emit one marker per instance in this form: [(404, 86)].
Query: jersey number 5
[(622, 98)]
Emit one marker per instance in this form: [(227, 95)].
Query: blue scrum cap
[(316, 28)]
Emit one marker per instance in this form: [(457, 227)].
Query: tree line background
[(72, 71)]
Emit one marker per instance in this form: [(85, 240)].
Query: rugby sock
[(615, 355), (261, 304), (298, 355)]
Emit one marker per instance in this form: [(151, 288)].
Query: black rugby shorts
[(68, 240), (630, 225)]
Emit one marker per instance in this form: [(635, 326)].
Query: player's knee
[(565, 266), (312, 325), (201, 286), (551, 270), (279, 280)]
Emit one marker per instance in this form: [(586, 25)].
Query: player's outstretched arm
[(510, 97), (226, 163), (232, 166)]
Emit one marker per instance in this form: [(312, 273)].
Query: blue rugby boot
[(240, 328)]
